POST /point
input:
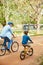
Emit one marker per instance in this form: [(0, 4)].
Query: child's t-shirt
[(25, 39)]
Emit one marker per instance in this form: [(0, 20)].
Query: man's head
[(11, 24)]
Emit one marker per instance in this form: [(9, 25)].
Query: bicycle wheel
[(22, 55), (30, 52), (15, 46), (2, 50)]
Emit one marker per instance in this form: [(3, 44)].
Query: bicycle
[(27, 51), (14, 47)]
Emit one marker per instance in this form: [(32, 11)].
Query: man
[(7, 35)]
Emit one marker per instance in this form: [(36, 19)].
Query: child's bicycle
[(27, 51), (14, 47)]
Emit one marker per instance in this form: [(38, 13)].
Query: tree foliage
[(2, 18), (22, 11)]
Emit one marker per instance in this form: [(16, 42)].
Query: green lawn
[(31, 32)]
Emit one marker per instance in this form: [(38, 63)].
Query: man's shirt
[(7, 32)]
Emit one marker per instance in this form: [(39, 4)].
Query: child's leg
[(9, 44), (25, 48)]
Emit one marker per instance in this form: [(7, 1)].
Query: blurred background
[(22, 12)]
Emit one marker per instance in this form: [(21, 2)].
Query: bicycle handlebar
[(30, 42)]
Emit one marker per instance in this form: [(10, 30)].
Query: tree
[(2, 18), (22, 11)]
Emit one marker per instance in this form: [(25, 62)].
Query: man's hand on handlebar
[(13, 36)]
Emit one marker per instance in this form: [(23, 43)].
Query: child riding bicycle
[(7, 34), (25, 40)]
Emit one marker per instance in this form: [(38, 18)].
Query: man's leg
[(9, 44), (6, 39), (4, 43)]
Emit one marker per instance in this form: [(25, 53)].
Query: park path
[(14, 59)]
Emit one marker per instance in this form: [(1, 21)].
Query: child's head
[(26, 32)]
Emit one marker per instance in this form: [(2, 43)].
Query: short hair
[(26, 32)]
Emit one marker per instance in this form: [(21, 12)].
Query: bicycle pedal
[(27, 53)]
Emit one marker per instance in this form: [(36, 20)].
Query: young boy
[(25, 39), (7, 34)]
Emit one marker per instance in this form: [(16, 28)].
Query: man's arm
[(13, 35), (11, 32)]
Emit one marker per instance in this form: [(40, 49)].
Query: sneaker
[(8, 50)]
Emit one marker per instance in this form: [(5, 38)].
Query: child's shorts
[(24, 45)]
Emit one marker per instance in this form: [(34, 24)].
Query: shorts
[(24, 45)]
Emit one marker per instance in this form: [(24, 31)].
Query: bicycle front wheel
[(15, 46), (2, 50), (22, 55)]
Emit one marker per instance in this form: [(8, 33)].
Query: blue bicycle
[(14, 47)]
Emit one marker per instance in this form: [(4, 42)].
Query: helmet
[(10, 23)]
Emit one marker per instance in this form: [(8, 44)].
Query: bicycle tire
[(22, 55), (16, 46), (2, 50)]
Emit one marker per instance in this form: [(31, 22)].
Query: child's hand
[(32, 42)]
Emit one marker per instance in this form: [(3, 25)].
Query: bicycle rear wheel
[(2, 50), (15, 46)]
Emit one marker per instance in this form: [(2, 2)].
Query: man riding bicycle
[(7, 34)]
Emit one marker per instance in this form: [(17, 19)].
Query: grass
[(31, 32), (40, 60), (41, 63)]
